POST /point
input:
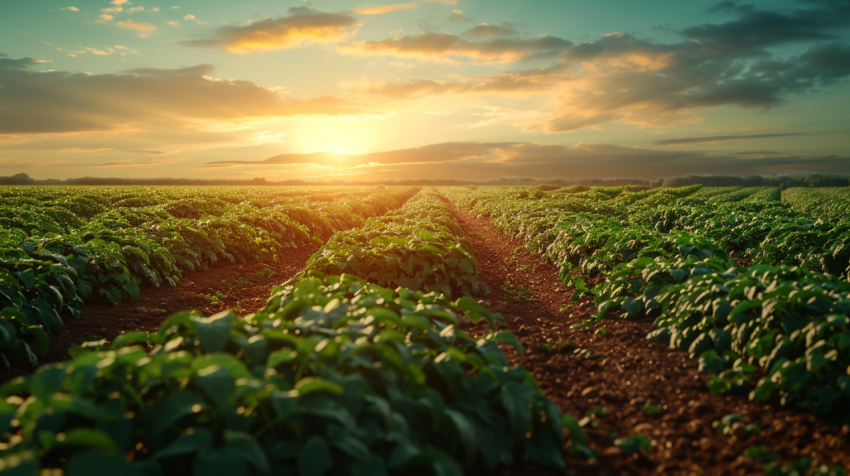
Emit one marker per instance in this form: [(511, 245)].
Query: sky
[(468, 89)]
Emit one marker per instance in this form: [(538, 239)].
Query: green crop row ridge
[(334, 376), (60, 247)]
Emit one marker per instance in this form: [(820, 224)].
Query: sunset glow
[(131, 89)]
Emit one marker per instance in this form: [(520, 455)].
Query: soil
[(606, 381), (245, 286)]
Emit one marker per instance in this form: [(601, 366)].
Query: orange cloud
[(380, 10), (141, 26), (63, 102), (303, 26)]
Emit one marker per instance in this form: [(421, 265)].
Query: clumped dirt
[(622, 371), (245, 286)]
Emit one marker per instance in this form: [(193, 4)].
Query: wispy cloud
[(716, 139), (140, 26), (443, 47), (381, 9)]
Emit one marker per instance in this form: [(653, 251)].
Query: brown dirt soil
[(104, 320), (623, 371)]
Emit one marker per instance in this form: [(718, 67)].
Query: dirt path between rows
[(245, 286), (622, 372)]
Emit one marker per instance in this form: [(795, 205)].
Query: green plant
[(518, 292), (333, 375), (264, 274), (237, 282), (560, 346), (213, 298), (419, 246), (652, 410), (635, 444)]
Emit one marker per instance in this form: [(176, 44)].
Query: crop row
[(336, 375), (418, 246), (670, 257), (827, 203), (58, 249)]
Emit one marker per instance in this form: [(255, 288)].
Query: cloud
[(133, 163), (725, 6), (759, 29), (106, 17), (716, 139), (303, 26), (135, 9), (531, 81), (488, 32), (63, 102), (439, 46), (174, 23), (485, 160), (380, 10), (140, 26), (119, 2), (98, 52), (71, 9), (458, 16), (154, 9), (628, 80), (18, 163), (621, 78), (190, 17)]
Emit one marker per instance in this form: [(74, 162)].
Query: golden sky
[(424, 89)]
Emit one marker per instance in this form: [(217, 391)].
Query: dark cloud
[(756, 30), (489, 32), (723, 7), (438, 46), (58, 102), (638, 82), (302, 26), (715, 139)]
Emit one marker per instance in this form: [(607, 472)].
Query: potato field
[(370, 331)]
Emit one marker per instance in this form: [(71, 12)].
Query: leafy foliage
[(749, 284), (419, 246), (62, 246), (335, 375)]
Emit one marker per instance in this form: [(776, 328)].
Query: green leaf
[(132, 289), (219, 462), (315, 458), (95, 463), (466, 435), (214, 331), (41, 337), (309, 385), (201, 439), (27, 278)]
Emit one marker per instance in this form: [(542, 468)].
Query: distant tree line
[(17, 179), (780, 180)]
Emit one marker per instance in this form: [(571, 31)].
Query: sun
[(340, 137)]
